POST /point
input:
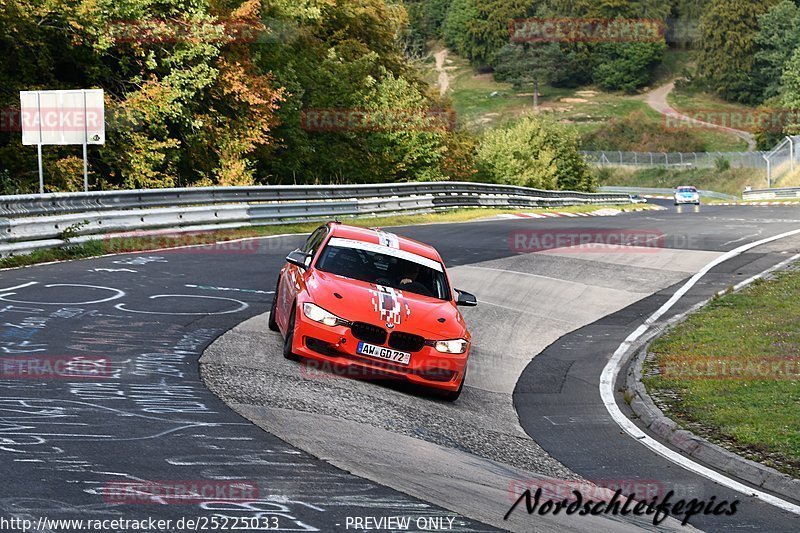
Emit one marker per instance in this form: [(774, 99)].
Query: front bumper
[(687, 200), (335, 347)]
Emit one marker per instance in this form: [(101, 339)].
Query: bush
[(722, 164), (626, 66), (534, 152), (636, 132)]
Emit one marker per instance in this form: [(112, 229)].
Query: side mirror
[(299, 259), (466, 299)]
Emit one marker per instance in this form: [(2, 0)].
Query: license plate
[(380, 352)]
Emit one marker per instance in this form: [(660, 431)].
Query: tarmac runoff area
[(463, 456)]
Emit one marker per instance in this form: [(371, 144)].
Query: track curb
[(687, 442)]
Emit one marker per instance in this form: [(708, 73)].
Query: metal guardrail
[(772, 194), (31, 222), (39, 204), (665, 192)]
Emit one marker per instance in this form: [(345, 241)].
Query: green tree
[(457, 24), (790, 97), (534, 152), (777, 38), (184, 103), (346, 56), (626, 66), (525, 63), (684, 31), (726, 59)]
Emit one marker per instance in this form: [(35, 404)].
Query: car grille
[(368, 332), (406, 342)]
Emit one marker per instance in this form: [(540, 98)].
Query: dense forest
[(225, 92)]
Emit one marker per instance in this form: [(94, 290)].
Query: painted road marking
[(213, 288), (242, 306), (118, 294), (614, 366)]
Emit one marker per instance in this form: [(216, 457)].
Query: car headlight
[(318, 314), (453, 346)]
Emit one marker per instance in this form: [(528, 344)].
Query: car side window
[(312, 244)]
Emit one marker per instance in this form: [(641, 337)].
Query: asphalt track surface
[(65, 442)]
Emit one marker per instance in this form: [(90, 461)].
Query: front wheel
[(289, 340)]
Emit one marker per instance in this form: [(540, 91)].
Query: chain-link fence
[(784, 158), (677, 159)]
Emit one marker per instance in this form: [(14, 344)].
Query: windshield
[(687, 189), (385, 269)]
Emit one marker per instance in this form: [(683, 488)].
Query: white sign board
[(62, 117)]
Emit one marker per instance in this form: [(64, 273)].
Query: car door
[(293, 278)]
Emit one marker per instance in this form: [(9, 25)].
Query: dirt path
[(657, 99), (444, 79)]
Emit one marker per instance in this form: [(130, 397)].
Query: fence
[(782, 159), (43, 220), (785, 157), (678, 160)]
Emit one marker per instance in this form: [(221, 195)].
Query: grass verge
[(731, 372), (135, 243), (692, 102)]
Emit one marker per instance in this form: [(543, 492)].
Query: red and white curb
[(554, 214), (560, 214)]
